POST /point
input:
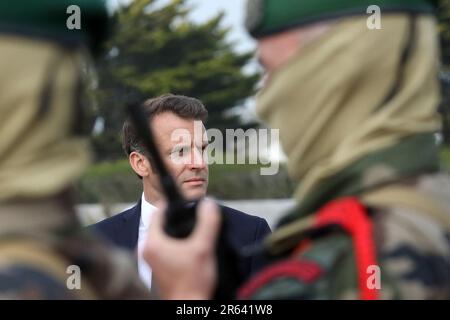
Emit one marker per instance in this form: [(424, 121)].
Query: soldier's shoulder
[(33, 270), (21, 280), (75, 266), (306, 272)]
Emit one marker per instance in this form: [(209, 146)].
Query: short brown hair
[(182, 106)]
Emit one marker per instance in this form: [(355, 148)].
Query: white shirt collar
[(147, 210)]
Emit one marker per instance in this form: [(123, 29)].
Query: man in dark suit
[(177, 124)]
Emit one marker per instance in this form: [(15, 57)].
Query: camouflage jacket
[(410, 237), (45, 254)]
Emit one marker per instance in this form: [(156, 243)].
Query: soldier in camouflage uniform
[(357, 111), (41, 153)]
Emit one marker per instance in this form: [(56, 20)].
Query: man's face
[(183, 153)]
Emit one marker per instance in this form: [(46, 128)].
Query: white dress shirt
[(147, 210)]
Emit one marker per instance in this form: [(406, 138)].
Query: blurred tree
[(444, 29), (156, 50)]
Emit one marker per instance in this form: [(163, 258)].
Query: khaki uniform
[(44, 252)]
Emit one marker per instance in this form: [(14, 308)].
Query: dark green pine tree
[(157, 50), (444, 30)]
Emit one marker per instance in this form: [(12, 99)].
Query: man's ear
[(140, 164)]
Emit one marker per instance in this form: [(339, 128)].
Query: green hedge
[(108, 183), (115, 182), (445, 158)]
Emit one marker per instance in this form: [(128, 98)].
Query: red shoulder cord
[(351, 215)]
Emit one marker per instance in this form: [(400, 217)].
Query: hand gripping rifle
[(180, 215)]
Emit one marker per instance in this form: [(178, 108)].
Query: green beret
[(265, 17), (47, 18)]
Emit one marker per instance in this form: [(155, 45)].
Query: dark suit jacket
[(122, 230)]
